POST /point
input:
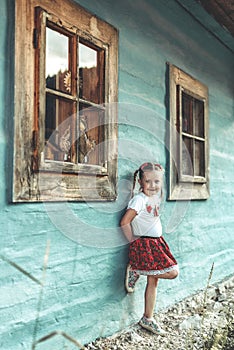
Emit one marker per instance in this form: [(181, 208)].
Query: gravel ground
[(203, 321)]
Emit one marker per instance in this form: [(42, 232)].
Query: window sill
[(191, 179), (189, 191), (71, 168)]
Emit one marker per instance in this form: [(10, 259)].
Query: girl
[(149, 254)]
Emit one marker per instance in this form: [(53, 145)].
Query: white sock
[(149, 319)]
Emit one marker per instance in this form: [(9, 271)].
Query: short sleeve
[(136, 203)]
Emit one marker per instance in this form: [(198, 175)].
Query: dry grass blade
[(19, 268), (46, 258), (63, 334), (205, 293)]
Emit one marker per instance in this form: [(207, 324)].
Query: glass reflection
[(58, 76), (187, 156), (58, 128), (90, 73), (200, 159), (87, 57), (187, 113), (91, 138), (199, 118)]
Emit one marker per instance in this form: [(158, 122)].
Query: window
[(189, 177), (65, 130)]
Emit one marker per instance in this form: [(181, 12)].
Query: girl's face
[(151, 183)]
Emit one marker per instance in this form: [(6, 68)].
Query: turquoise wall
[(83, 292)]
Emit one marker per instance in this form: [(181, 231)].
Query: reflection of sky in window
[(57, 53), (87, 57)]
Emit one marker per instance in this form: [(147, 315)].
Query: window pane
[(187, 113), (91, 70), (199, 166), (187, 156), (198, 118), (60, 126), (91, 141), (58, 75)]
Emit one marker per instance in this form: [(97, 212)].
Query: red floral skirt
[(151, 256)]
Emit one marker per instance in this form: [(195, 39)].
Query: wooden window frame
[(34, 179), (181, 186)]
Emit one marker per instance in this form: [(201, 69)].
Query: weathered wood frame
[(182, 187), (87, 182)]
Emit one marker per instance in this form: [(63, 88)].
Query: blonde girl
[(149, 254)]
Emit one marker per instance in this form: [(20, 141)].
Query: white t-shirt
[(147, 221)]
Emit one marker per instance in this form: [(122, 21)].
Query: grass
[(219, 338)]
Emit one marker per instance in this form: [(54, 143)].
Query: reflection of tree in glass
[(60, 81)]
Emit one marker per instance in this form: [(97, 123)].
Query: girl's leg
[(169, 275), (150, 296), (147, 321), (151, 291)]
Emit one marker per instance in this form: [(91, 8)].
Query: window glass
[(199, 118), (58, 75), (187, 113), (187, 156), (89, 147), (59, 129), (91, 84), (91, 140), (199, 169), (193, 126)]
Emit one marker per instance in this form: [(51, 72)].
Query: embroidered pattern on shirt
[(153, 210)]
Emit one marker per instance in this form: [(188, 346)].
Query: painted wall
[(83, 292)]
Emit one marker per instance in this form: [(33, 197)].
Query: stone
[(193, 322), (190, 324)]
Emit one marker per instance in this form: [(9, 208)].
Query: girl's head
[(150, 178)]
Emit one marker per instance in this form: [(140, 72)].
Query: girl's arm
[(125, 223)]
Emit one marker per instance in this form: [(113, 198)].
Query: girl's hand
[(125, 223)]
